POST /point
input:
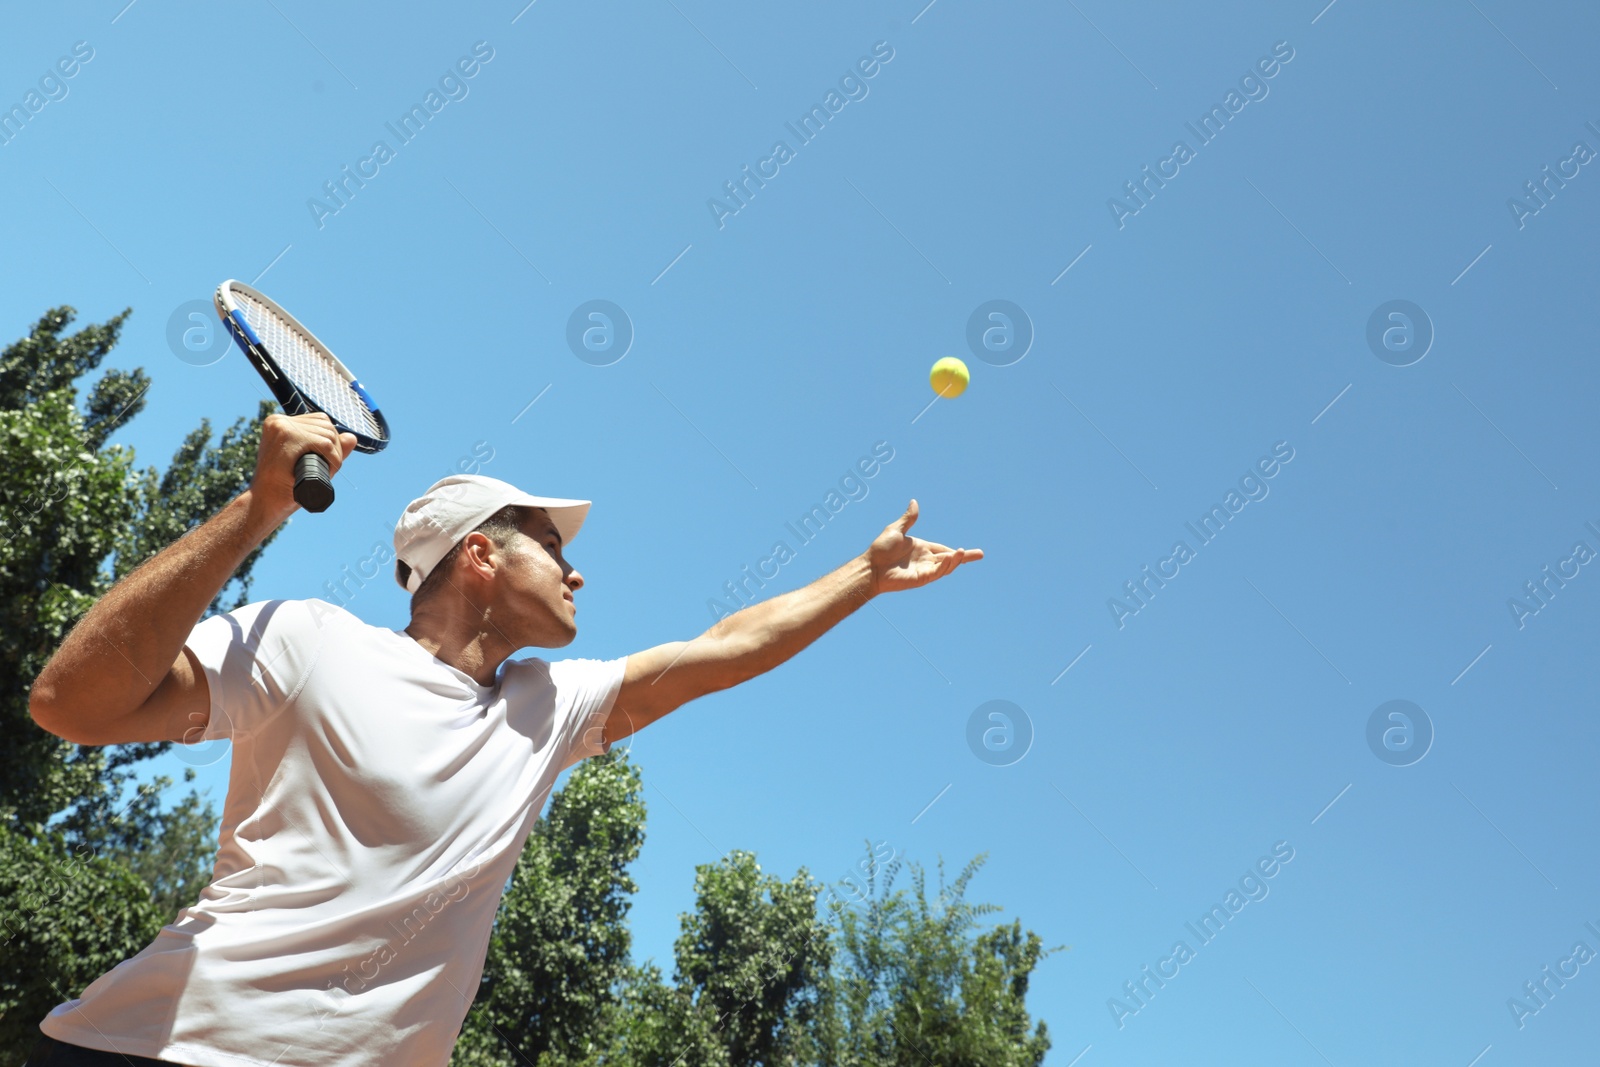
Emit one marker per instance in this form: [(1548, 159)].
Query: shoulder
[(279, 619), (528, 668), (257, 608)]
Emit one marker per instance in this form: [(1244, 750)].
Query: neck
[(474, 646)]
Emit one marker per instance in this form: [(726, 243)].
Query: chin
[(552, 637)]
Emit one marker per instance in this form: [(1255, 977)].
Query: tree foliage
[(91, 866), (68, 916), (914, 987), (75, 516), (560, 945), (751, 955), (767, 972)]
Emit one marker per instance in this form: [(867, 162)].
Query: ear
[(481, 554)]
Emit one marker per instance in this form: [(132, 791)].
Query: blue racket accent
[(244, 324), (366, 398)]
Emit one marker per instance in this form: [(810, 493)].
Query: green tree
[(90, 867), (174, 854), (66, 917), (749, 961), (751, 955), (913, 987), (559, 951), (75, 516), (657, 1023), (769, 973)]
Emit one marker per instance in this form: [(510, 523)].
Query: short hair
[(499, 528)]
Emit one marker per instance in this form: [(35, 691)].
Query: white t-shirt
[(377, 804)]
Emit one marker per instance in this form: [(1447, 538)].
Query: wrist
[(261, 514), (864, 579)]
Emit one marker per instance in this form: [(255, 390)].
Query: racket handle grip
[(313, 485)]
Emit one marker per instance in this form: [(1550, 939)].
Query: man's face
[(534, 587)]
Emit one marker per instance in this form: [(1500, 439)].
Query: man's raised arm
[(760, 637), (120, 675)]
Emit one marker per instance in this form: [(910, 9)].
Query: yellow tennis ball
[(949, 377)]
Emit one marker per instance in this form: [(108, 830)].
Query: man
[(383, 781)]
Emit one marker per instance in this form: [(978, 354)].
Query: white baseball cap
[(452, 507)]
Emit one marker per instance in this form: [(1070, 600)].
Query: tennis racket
[(305, 377)]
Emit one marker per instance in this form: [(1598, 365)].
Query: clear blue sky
[(1188, 339)]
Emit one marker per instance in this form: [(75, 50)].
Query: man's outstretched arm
[(758, 638), (121, 674)]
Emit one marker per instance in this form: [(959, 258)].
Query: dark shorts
[(52, 1053)]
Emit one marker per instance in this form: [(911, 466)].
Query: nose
[(573, 579)]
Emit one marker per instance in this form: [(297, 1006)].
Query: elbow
[(41, 707), (46, 713)]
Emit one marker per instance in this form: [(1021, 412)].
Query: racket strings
[(312, 372)]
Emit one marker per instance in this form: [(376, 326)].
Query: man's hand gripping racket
[(307, 379)]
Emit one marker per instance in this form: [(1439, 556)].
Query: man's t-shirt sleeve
[(586, 689), (255, 659)]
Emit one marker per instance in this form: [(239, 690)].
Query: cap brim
[(568, 515)]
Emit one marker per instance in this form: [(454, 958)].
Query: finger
[(905, 521), (340, 445), (326, 445)]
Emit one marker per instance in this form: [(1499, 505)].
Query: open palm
[(900, 561)]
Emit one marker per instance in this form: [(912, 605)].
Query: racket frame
[(291, 399)]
